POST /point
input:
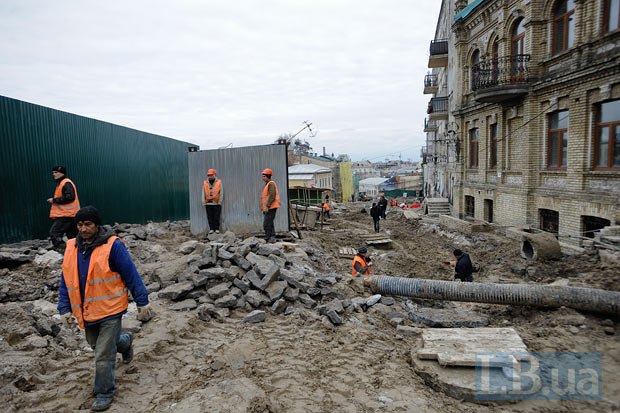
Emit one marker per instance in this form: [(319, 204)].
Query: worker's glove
[(145, 313), (69, 320)]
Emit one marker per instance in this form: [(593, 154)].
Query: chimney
[(323, 150)]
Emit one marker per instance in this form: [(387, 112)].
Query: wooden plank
[(378, 241), (459, 346)]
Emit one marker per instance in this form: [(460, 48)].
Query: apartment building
[(532, 130)]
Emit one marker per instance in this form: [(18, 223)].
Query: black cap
[(457, 253), (362, 249), (60, 168), (88, 213)]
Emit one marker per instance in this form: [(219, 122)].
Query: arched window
[(475, 69), (517, 43), (563, 25)]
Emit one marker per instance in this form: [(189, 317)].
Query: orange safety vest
[(362, 262), (212, 193), (105, 292), (326, 206), (265, 195), (64, 210)]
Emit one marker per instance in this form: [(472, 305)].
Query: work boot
[(272, 240), (217, 231), (101, 403), (211, 231), (128, 355)]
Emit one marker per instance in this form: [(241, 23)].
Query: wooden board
[(346, 252), (371, 239), (459, 346)]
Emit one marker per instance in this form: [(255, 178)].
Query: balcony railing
[(429, 125), (502, 78), (430, 81), (439, 47), (438, 105)]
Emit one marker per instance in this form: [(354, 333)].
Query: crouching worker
[(97, 271), (361, 263), (463, 267)]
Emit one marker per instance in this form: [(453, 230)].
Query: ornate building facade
[(531, 136)]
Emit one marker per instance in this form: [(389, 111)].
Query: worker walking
[(269, 204), (361, 262), (212, 196), (383, 203), (97, 271), (326, 207), (64, 205)]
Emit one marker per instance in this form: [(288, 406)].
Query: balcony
[(430, 84), (501, 79), (430, 125), (438, 108), (439, 54)]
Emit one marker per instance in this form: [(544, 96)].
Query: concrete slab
[(447, 317)]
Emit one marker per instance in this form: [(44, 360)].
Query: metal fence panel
[(240, 172), (131, 176)]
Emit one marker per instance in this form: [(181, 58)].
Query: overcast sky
[(230, 72)]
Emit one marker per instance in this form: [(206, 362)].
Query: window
[(518, 50), (470, 205), (475, 68), (557, 139), (473, 148), (611, 15), (563, 25), (493, 146), (495, 61), (607, 136), (590, 225), (549, 220), (488, 210)]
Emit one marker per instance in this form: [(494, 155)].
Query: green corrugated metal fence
[(131, 176)]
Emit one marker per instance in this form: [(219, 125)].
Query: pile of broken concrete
[(249, 276)]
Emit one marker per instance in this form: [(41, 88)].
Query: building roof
[(307, 168), (467, 10), (373, 181), (300, 177)]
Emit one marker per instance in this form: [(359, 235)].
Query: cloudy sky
[(230, 72)]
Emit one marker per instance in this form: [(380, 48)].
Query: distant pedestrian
[(375, 213), (97, 273), (212, 195), (361, 262), (463, 267), (383, 203), (269, 204), (64, 205)]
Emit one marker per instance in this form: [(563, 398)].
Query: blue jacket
[(120, 261)]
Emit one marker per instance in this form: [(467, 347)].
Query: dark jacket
[(375, 212), (464, 268)]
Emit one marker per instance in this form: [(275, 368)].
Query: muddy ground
[(296, 361)]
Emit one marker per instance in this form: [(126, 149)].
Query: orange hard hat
[(267, 171), (211, 172)]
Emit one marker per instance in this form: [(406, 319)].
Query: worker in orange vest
[(361, 262), (97, 273), (269, 204), (326, 208), (212, 196), (64, 205)]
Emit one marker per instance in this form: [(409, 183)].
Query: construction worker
[(212, 195), (97, 271), (383, 203), (463, 267), (64, 205), (325, 207), (269, 204), (361, 262)]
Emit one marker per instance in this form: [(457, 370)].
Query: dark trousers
[(213, 216), (383, 208), (60, 227), (106, 339), (268, 227), (376, 220)]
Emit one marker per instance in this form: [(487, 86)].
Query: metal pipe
[(587, 299)]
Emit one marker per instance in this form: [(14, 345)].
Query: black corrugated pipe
[(588, 299)]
